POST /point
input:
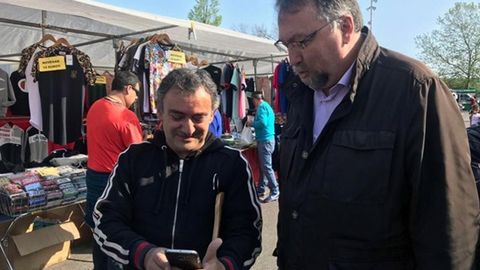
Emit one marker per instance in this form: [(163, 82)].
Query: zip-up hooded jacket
[(154, 199)]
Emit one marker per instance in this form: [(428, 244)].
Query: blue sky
[(395, 22)]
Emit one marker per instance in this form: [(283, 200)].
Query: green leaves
[(206, 11), (453, 50)]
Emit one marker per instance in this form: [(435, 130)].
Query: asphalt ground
[(81, 254)]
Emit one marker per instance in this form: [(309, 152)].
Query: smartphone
[(184, 259)]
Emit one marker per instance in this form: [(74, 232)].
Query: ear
[(125, 89), (212, 114), (159, 113), (347, 28)]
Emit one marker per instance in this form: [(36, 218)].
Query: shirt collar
[(346, 76)]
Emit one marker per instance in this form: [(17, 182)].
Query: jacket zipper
[(180, 169)]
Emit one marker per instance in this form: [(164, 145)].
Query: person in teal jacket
[(264, 124)]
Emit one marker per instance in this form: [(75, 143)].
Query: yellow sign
[(51, 63), (176, 57), (101, 80)]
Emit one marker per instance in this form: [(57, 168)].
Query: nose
[(295, 56), (189, 127)]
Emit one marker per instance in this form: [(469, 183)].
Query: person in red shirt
[(111, 128)]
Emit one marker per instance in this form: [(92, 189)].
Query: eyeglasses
[(137, 91), (299, 44)]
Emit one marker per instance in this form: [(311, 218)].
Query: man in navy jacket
[(161, 194)]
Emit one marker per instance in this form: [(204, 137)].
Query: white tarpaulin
[(212, 43)]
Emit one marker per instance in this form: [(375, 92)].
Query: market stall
[(102, 32)]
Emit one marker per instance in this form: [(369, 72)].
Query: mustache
[(297, 68), (196, 134)]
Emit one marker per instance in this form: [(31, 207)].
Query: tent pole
[(44, 20), (255, 62), (107, 36), (273, 68), (263, 59)]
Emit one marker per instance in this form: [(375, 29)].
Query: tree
[(453, 51), (256, 30), (206, 11)]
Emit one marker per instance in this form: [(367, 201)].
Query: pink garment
[(242, 100)]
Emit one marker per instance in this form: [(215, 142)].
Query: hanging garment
[(20, 108), (7, 96), (158, 67), (11, 144), (36, 146), (62, 93), (33, 93), (226, 79), (216, 74), (235, 86)]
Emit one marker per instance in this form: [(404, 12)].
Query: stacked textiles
[(31, 184), (65, 170), (69, 191), (78, 177), (53, 192), (14, 200), (36, 195), (41, 188)]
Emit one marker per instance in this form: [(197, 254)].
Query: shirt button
[(304, 154), (294, 214)]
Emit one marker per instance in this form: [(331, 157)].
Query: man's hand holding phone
[(168, 259), (156, 260)]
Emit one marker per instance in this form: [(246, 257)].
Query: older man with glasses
[(374, 164)]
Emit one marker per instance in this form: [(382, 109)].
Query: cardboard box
[(29, 249)]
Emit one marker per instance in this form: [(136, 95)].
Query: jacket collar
[(367, 55), (211, 144)]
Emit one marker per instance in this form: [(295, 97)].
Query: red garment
[(111, 128)]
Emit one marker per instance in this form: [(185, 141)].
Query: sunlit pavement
[(81, 257)]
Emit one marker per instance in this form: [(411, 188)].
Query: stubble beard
[(319, 81), (316, 80)]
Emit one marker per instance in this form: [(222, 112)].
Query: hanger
[(106, 72), (164, 39), (62, 41), (134, 41), (47, 37), (193, 60), (204, 63)]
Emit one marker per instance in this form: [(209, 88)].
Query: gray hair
[(330, 10), (187, 81)]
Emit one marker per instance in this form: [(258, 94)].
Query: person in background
[(475, 115), (264, 124), (215, 126), (375, 170), (111, 128), (162, 194)]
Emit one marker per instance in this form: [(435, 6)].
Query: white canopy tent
[(96, 28)]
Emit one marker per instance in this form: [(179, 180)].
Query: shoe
[(271, 198)]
